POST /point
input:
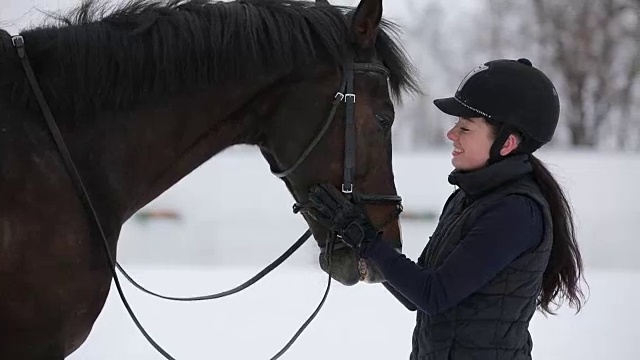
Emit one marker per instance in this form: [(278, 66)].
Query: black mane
[(109, 58)]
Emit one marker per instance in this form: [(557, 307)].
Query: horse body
[(65, 252), (139, 134)]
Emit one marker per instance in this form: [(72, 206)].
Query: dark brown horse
[(145, 95)]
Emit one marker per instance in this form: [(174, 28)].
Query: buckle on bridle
[(347, 96), (347, 191), (17, 41), (339, 96)]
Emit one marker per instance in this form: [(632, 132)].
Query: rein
[(18, 43)]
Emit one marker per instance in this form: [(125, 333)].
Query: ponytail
[(561, 278)]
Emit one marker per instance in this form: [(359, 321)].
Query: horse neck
[(149, 140), (150, 149)]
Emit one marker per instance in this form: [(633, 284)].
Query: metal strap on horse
[(18, 43), (349, 134), (347, 94), (327, 124)]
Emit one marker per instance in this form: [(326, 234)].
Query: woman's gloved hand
[(331, 209)]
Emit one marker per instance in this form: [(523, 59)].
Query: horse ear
[(322, 2), (366, 22)]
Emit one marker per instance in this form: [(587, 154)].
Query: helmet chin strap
[(494, 153)]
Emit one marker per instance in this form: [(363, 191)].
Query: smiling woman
[(472, 138), (504, 245)]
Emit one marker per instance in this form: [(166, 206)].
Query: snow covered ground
[(362, 322), (234, 212), (235, 219)]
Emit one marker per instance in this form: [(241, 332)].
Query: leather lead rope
[(236, 289), (331, 240), (327, 124), (18, 43)]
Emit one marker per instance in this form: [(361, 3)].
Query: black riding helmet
[(513, 94)]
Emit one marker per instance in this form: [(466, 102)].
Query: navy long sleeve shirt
[(505, 231)]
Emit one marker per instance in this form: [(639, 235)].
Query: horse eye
[(384, 121)]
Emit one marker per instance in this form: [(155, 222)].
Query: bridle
[(345, 92)]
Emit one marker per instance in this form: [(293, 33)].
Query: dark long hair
[(561, 278)]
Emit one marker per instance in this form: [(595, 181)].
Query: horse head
[(333, 125)]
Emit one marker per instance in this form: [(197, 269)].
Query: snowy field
[(362, 322), (234, 218)]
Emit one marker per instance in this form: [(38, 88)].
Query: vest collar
[(477, 182)]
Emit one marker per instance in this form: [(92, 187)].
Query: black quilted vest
[(493, 322)]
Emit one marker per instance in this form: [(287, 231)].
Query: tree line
[(590, 49)]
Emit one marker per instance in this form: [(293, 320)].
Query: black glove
[(331, 209)]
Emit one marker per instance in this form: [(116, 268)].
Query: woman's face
[(472, 139)]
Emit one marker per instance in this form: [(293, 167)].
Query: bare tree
[(591, 50), (419, 127), (595, 47), (444, 51)]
